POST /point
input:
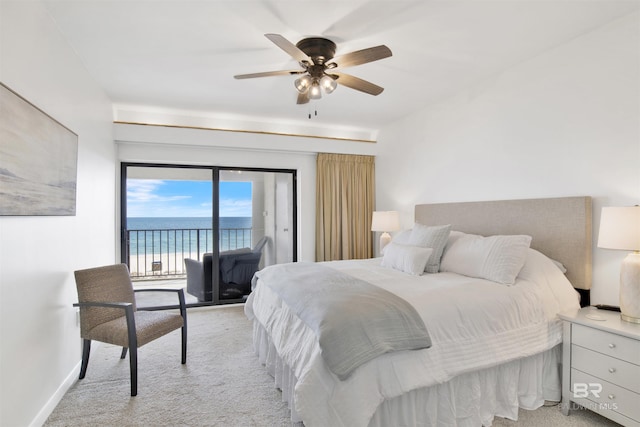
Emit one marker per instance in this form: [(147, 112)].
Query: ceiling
[(182, 55)]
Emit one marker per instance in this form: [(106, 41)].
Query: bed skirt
[(470, 399)]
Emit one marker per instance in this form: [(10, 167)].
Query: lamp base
[(630, 288), (385, 239), (629, 318)]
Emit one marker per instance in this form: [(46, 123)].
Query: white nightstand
[(601, 365)]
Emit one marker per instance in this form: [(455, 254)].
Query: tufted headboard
[(560, 227)]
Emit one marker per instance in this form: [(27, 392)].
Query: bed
[(490, 346)]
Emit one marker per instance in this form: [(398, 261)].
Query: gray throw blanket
[(354, 320)]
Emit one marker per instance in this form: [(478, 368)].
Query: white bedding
[(473, 323)]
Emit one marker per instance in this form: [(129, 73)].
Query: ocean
[(141, 223), (185, 234)]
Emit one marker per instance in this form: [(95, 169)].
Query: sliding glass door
[(257, 226), (207, 229)]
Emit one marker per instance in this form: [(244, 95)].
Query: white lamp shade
[(385, 221), (620, 228)]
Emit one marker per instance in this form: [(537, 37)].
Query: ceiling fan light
[(328, 84), (303, 83), (314, 91)]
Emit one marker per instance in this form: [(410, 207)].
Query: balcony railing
[(161, 252)]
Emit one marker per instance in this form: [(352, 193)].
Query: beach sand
[(171, 264)]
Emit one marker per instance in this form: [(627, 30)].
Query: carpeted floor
[(222, 384)]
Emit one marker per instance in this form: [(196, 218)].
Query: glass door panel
[(256, 227), (166, 219)]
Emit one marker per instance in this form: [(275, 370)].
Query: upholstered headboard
[(560, 227)]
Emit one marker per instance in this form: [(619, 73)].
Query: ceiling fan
[(316, 56)]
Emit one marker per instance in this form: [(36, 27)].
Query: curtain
[(345, 191)]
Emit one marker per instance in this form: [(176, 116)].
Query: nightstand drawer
[(608, 368), (609, 398), (606, 343)]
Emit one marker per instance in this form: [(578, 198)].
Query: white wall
[(40, 341), (565, 123), (158, 144)]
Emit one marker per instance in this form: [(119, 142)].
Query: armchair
[(106, 299), (236, 269)]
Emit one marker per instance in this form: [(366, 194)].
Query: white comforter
[(473, 324)]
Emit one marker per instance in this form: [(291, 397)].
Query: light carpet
[(222, 384)]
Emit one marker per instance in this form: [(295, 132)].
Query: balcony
[(156, 258), (160, 253)]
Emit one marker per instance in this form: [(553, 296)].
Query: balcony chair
[(236, 269), (108, 314)]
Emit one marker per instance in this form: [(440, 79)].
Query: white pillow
[(434, 237), (410, 259), (402, 237), (453, 236), (495, 258)]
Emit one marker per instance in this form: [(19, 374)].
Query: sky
[(171, 198)]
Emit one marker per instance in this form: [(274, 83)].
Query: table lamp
[(385, 221), (620, 229)]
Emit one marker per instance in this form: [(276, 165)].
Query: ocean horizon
[(184, 223)]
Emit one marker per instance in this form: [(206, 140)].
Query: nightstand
[(601, 365)]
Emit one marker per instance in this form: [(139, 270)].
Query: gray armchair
[(236, 269)]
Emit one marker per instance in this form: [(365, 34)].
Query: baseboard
[(51, 404)]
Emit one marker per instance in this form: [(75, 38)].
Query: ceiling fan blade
[(303, 98), (362, 56), (288, 47), (269, 74), (358, 84)]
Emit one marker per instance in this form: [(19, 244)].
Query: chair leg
[(183, 313), (132, 340), (124, 353), (133, 365), (184, 344), (86, 349)]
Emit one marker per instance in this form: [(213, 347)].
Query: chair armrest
[(122, 305), (157, 290), (128, 312)]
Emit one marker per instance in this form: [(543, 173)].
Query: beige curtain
[(345, 191)]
